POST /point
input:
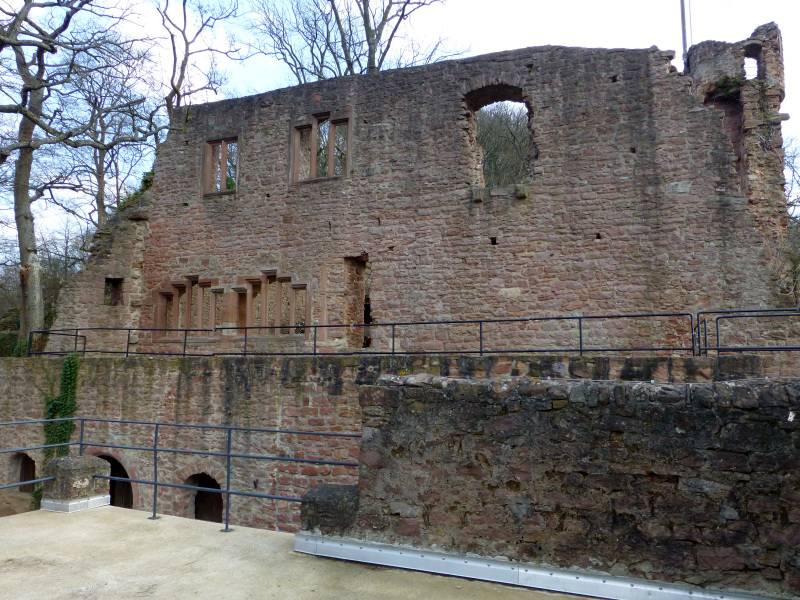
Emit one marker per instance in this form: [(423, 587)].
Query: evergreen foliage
[(62, 406)]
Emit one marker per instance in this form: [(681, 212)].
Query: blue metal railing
[(480, 346), (227, 455)]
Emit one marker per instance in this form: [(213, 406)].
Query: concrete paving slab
[(113, 553)]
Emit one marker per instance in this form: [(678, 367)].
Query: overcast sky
[(486, 26)]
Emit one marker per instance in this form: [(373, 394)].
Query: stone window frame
[(210, 172), (311, 121), (271, 282), (179, 294)]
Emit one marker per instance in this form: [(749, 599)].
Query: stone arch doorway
[(207, 505), (121, 491), (27, 472)]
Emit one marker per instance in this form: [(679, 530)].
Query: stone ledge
[(529, 575), (71, 506)]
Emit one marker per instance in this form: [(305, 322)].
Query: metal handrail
[(698, 327), (82, 443), (480, 348), (702, 323)]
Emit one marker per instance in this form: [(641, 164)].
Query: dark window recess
[(113, 292), (493, 240), (358, 278), (367, 321)]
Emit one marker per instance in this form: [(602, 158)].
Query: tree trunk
[(100, 174), (30, 271), (369, 35)]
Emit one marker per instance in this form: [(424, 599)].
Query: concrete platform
[(116, 553)]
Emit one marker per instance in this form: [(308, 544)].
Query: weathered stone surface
[(329, 508), (690, 482), (74, 478)]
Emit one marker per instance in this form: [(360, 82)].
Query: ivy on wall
[(62, 406)]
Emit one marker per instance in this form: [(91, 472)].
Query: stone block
[(720, 559), (329, 508), (74, 478)]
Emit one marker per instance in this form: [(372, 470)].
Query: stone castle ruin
[(361, 199), (323, 219)]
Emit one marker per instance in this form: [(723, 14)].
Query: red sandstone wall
[(273, 393), (261, 393), (645, 196)]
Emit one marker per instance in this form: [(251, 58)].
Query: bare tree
[(62, 252), (44, 45), (504, 137), (189, 25), (784, 255), (319, 39), (107, 171), (791, 172)]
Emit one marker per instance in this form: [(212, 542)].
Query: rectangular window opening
[(323, 129), (298, 308), (113, 292), (304, 153), (221, 166), (340, 149), (320, 148)]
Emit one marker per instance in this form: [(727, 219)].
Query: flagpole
[(683, 31)]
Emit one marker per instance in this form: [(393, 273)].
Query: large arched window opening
[(121, 491), (207, 505), (503, 138)]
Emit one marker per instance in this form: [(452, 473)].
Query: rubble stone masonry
[(696, 483)]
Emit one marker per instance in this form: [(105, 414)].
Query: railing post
[(128, 343), (245, 339), (185, 334), (718, 343), (30, 342), (480, 337), (228, 485), (392, 338), (580, 334), (80, 447), (155, 474), (75, 349), (315, 340)]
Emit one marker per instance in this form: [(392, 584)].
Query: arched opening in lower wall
[(207, 505), (121, 491), (27, 472)]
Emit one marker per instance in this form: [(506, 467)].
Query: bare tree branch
[(319, 39)]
